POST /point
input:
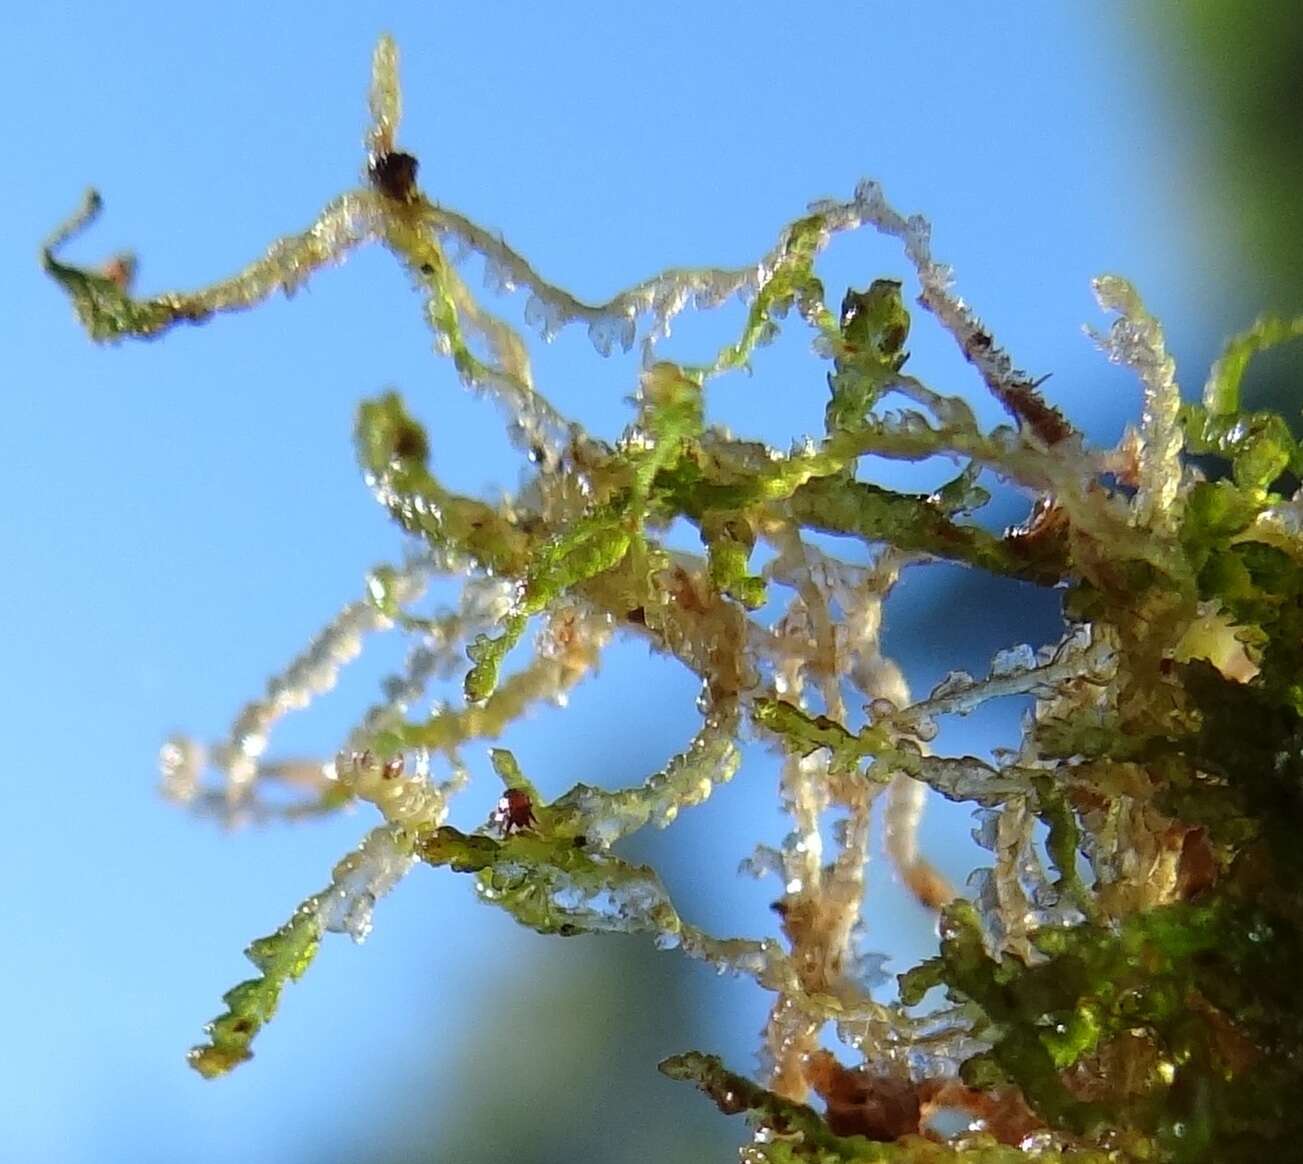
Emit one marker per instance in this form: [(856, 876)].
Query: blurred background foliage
[(1237, 70)]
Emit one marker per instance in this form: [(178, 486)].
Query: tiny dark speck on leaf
[(394, 175), (410, 443)]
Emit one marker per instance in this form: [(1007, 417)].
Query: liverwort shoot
[(1121, 983)]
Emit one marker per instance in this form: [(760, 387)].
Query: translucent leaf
[(1136, 339), (385, 97)]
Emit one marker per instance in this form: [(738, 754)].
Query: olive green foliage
[(1233, 68), (1122, 987)]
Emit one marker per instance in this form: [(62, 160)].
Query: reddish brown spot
[(514, 812), (886, 1107), (1197, 869), (881, 1107), (684, 592), (1029, 409), (1044, 534), (1002, 1111), (928, 885), (120, 270)]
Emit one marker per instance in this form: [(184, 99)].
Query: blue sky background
[(181, 516)]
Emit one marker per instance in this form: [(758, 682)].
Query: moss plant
[(1124, 984)]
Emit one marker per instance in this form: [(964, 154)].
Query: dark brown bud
[(394, 175)]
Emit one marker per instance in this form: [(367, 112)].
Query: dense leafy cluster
[(1122, 987)]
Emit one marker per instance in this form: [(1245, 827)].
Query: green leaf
[(281, 957), (806, 733), (593, 545), (729, 541), (734, 1094), (874, 327), (393, 451), (1221, 394)]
